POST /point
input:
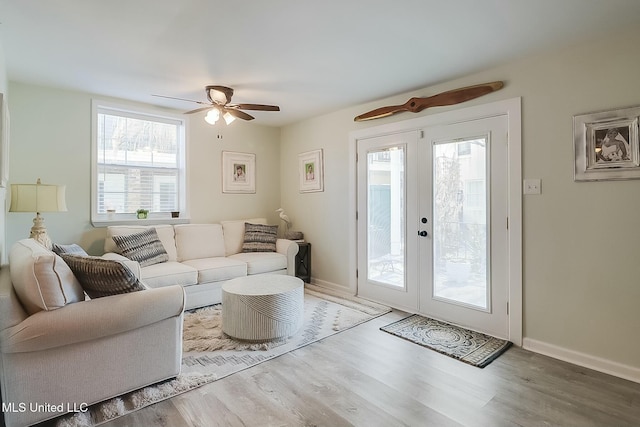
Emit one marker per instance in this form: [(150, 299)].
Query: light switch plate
[(532, 186)]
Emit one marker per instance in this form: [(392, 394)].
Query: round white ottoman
[(262, 308)]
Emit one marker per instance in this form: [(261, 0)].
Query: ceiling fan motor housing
[(219, 94)]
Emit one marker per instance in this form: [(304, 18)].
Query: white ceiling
[(308, 57)]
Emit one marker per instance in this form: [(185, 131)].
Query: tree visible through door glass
[(460, 222)]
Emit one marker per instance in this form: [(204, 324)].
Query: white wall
[(581, 269), (51, 140)]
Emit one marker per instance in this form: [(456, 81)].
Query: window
[(138, 163), (464, 148)]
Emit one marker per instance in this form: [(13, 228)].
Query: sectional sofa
[(57, 346), (201, 257), (60, 351)]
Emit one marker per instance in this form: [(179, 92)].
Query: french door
[(432, 222), (387, 219)]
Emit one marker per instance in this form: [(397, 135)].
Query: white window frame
[(104, 219)]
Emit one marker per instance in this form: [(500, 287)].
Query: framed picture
[(311, 171), (4, 141), (606, 145), (238, 172)]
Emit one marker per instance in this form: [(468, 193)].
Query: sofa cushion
[(260, 238), (169, 273), (165, 234), (261, 262), (195, 241), (41, 279), (144, 247), (69, 249), (234, 234), (217, 269), (101, 277)]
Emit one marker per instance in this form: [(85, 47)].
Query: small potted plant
[(142, 213)]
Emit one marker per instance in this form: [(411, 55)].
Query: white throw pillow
[(41, 279)]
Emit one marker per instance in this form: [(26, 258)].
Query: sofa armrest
[(134, 266), (93, 319), (290, 249)]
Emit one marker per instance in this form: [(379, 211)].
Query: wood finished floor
[(366, 377)]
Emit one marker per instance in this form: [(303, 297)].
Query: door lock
[(422, 233)]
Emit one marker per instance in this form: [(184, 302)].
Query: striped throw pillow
[(101, 277), (144, 247), (259, 238)]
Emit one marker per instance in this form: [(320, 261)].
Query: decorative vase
[(142, 215)]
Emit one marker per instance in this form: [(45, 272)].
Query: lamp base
[(39, 232)]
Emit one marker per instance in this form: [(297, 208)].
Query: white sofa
[(60, 352), (203, 256)]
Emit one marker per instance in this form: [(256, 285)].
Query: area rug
[(209, 354), (462, 344)]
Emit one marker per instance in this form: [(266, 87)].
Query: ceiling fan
[(220, 105)]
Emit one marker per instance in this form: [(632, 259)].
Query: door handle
[(422, 233)]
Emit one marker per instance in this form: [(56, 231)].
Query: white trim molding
[(332, 286), (605, 366)]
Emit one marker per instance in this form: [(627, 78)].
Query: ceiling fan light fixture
[(212, 116), (217, 96), (228, 118)]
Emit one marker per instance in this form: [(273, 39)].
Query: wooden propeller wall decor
[(415, 105)]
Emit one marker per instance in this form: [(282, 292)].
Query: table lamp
[(38, 198)]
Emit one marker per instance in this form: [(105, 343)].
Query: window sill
[(132, 220)]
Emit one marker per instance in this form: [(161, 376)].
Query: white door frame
[(512, 109)]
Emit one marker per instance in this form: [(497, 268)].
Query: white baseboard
[(606, 366), (616, 369), (332, 286)]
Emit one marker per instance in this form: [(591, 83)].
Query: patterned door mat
[(471, 347)]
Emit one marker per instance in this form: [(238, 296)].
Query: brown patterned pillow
[(144, 247), (259, 238), (101, 277)]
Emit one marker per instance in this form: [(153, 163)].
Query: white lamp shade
[(228, 118), (38, 198), (212, 116)]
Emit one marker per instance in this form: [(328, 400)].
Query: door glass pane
[(385, 216), (460, 222)]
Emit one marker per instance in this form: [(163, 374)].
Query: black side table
[(303, 262)]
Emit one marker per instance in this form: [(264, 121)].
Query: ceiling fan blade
[(260, 107), (239, 114), (450, 97), (197, 110), (180, 99)]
